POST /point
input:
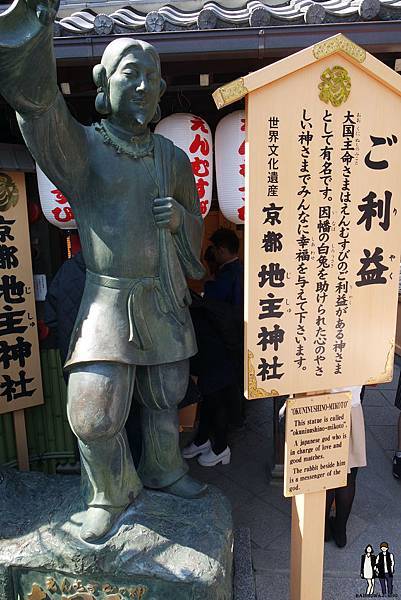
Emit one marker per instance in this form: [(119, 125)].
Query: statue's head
[(129, 82)]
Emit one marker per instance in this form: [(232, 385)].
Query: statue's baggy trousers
[(99, 400)]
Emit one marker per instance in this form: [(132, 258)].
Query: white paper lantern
[(230, 166), (55, 205), (192, 134)]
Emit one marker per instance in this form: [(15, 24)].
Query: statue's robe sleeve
[(188, 239), (28, 82)]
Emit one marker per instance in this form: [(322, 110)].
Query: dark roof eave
[(251, 42)]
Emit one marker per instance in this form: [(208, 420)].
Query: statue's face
[(134, 88)]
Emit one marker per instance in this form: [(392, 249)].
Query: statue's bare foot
[(98, 521), (186, 487)]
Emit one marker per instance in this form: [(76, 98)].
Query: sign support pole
[(21, 440), (307, 546)]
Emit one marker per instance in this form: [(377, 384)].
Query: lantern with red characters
[(55, 205), (192, 134), (230, 166)]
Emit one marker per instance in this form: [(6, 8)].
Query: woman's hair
[(369, 546)]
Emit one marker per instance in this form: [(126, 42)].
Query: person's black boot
[(338, 533)]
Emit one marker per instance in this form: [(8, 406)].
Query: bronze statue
[(137, 210)]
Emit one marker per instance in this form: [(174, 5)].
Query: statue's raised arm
[(28, 81)]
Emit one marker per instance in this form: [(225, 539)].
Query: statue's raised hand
[(27, 64), (45, 10), (24, 19)]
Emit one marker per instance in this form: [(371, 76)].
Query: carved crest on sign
[(8, 192), (335, 86)]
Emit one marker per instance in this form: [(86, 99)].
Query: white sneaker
[(193, 450), (210, 459)]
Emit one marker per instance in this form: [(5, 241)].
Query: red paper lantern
[(230, 166), (192, 134), (55, 205)]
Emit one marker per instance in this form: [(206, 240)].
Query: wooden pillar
[(20, 440), (307, 546)]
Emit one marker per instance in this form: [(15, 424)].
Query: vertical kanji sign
[(20, 374), (322, 237), (322, 252)]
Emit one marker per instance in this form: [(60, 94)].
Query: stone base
[(162, 547)]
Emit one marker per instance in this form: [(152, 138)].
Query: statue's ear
[(102, 102), (99, 77), (163, 87), (157, 116)]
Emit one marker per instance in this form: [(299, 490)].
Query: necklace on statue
[(135, 147)]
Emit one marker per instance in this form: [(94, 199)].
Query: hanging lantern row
[(55, 205), (193, 135)]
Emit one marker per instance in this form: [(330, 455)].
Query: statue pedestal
[(162, 547)]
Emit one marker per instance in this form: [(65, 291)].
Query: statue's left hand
[(168, 213)]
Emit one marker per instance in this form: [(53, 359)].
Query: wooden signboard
[(316, 443), (20, 374), (322, 251), (323, 156)]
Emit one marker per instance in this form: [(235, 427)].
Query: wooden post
[(307, 546), (20, 440)]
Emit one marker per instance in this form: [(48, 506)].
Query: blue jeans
[(389, 580)]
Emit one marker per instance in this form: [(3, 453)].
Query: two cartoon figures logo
[(380, 566)]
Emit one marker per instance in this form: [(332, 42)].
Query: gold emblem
[(335, 86), (229, 93), (65, 585), (76, 590), (51, 584), (253, 390), (8, 192), (37, 593), (336, 44), (138, 592)]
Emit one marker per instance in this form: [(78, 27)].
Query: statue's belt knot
[(139, 332)]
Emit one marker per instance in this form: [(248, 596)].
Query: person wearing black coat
[(217, 382), (368, 566), (385, 568), (63, 300)]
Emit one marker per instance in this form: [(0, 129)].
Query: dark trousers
[(389, 580), (215, 412)]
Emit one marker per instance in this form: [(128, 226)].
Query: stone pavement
[(260, 505)]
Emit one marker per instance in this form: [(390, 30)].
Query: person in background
[(212, 264), (385, 568), (216, 380), (344, 497), (63, 300), (368, 564), (227, 288), (228, 282), (397, 455)]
